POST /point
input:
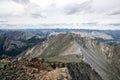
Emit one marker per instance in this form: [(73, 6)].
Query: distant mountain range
[(16, 41), (111, 37), (114, 33)]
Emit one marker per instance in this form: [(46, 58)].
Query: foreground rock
[(35, 69)]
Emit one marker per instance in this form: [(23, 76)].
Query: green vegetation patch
[(67, 58), (2, 65)]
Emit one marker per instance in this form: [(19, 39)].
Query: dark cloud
[(3, 21), (75, 8), (91, 23), (37, 15), (22, 1), (115, 24), (5, 15), (117, 12), (3, 0)]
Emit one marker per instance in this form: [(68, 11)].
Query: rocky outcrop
[(82, 71), (32, 69), (39, 69)]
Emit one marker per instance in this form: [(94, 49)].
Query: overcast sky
[(60, 11)]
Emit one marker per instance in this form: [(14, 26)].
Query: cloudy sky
[(78, 12)]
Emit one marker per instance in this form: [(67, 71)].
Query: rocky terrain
[(74, 48), (38, 69), (84, 70)]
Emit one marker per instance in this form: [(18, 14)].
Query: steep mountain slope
[(14, 42), (103, 58)]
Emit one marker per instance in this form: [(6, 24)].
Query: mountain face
[(70, 47), (14, 42)]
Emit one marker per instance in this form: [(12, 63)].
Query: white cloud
[(76, 7), (9, 8), (23, 2), (59, 11)]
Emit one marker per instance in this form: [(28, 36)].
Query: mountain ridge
[(98, 55), (16, 41)]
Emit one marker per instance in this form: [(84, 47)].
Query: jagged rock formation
[(82, 71), (69, 47)]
